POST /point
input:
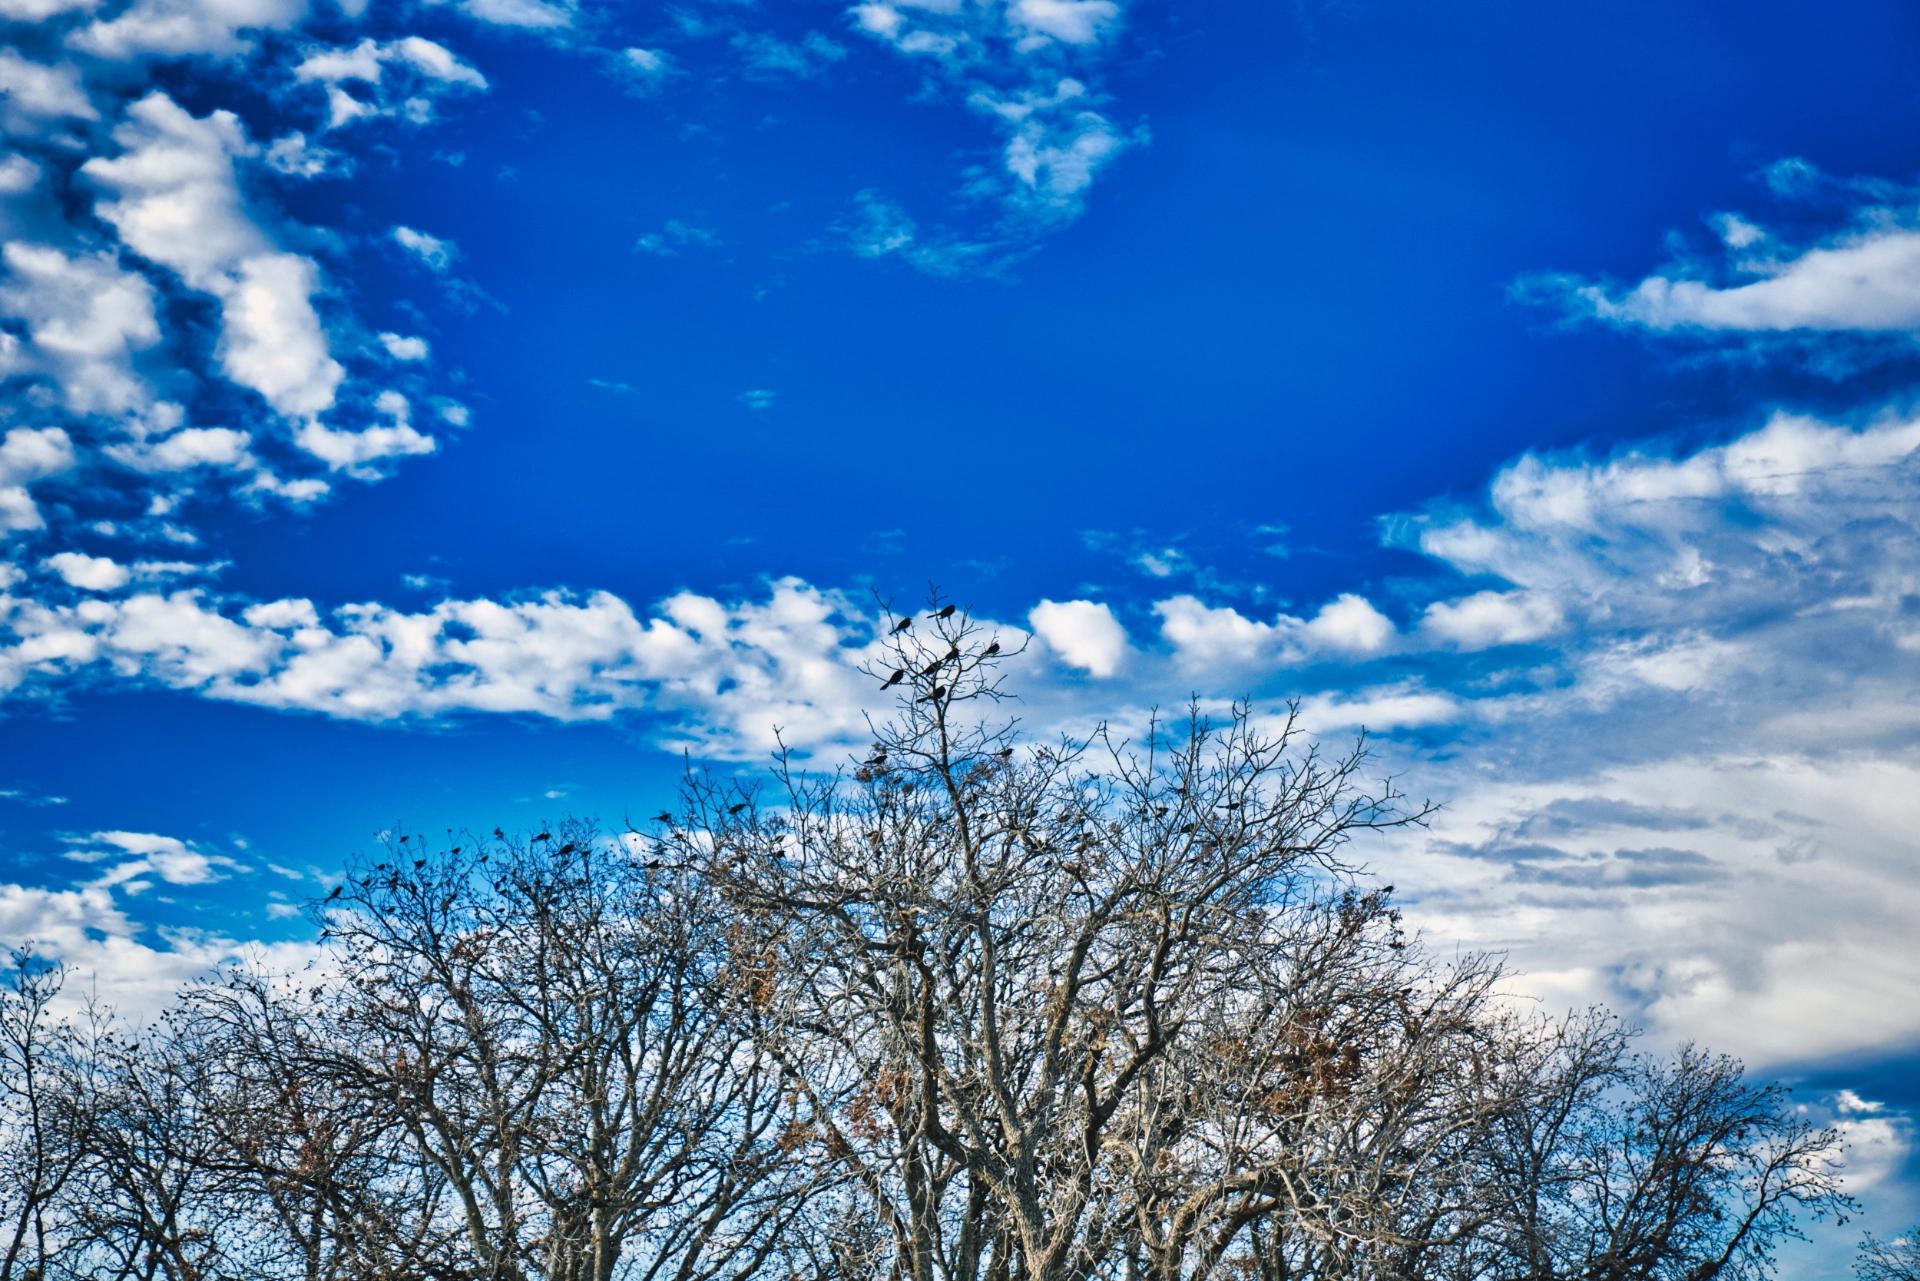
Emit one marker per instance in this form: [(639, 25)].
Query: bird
[(878, 758), (663, 816), (419, 863), (990, 650), (945, 611), (902, 625), (735, 809), (337, 890), (953, 652), (899, 674), (938, 692), (932, 667), (1005, 753), (544, 836)]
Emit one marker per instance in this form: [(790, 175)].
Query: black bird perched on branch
[(932, 667), (934, 697), (878, 758), (899, 674), (663, 817), (945, 611), (735, 809), (902, 625), (336, 893), (990, 650), (544, 836), (953, 652)]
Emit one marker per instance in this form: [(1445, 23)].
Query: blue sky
[(444, 414)]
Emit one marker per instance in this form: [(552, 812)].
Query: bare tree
[(976, 1009), (38, 1152), (557, 1033), (1895, 1260), (985, 962)]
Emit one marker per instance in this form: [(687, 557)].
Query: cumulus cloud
[(184, 27), (1084, 633), (86, 316), (404, 347), (1490, 618), (175, 200), (386, 78), (29, 454), (1207, 636), (89, 573), (728, 674), (33, 92), (1861, 278), (359, 452)]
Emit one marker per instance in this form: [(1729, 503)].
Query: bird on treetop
[(899, 674), (945, 611), (663, 817), (336, 893), (934, 697), (953, 652), (990, 650), (902, 625), (735, 809)]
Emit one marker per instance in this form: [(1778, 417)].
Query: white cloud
[(273, 341), (1490, 618), (1206, 636), (185, 449), (89, 573), (40, 10), (359, 452), (404, 347), (176, 201), (1084, 633), (1865, 277), (645, 69), (426, 69), (1005, 61), (537, 15), (17, 174), (85, 316), (436, 253), (134, 856), (29, 454), (1349, 624), (32, 91), (184, 27), (729, 674)]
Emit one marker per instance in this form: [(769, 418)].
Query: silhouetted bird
[(899, 674), (544, 836), (945, 611), (902, 625), (932, 667), (337, 890), (934, 697), (419, 863), (878, 758), (953, 652), (663, 817), (1005, 753), (990, 650), (735, 809)]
